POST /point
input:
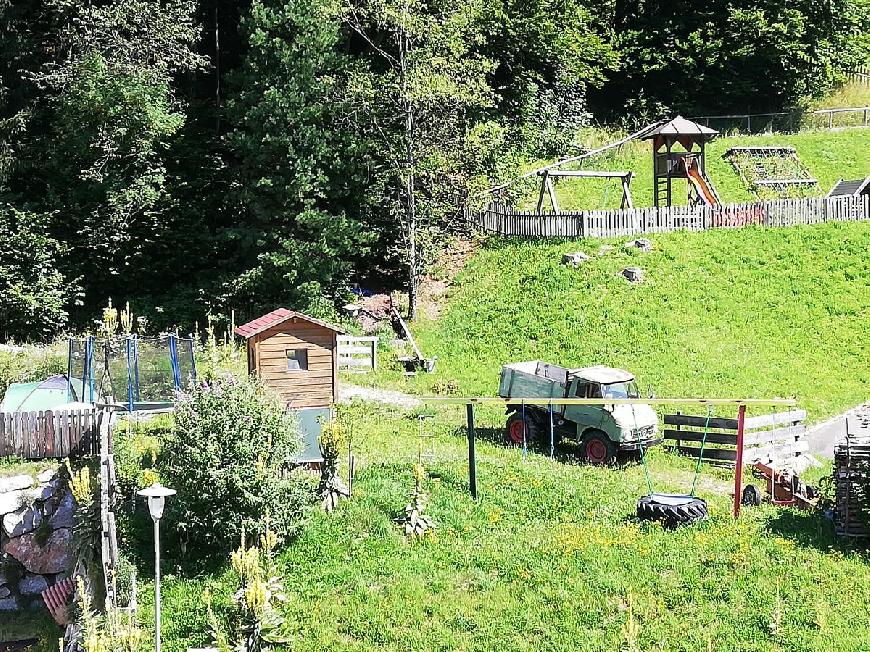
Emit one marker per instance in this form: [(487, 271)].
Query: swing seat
[(672, 499), (672, 510)]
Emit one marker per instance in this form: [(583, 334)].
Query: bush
[(229, 456), (33, 363)]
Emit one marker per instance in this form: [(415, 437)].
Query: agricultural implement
[(784, 487)]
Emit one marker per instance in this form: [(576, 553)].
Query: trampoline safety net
[(143, 372)]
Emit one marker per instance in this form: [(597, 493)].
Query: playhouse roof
[(277, 317), (679, 126), (853, 187)]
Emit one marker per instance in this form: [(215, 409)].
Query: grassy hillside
[(726, 313), (549, 559), (829, 156), (551, 556)]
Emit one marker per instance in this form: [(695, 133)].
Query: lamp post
[(156, 495)]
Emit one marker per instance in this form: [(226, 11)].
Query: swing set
[(671, 509), (548, 189)]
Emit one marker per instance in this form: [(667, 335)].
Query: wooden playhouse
[(297, 357)]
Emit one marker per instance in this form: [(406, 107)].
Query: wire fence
[(788, 122)]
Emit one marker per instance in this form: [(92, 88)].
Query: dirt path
[(349, 393)]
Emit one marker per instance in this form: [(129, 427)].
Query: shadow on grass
[(812, 529), (565, 450)]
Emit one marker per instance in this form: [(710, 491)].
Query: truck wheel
[(672, 514), (597, 448), (516, 425)]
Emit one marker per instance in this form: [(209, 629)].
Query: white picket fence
[(501, 220)]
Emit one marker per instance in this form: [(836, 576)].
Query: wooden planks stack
[(852, 484), (49, 434), (502, 220), (767, 438)]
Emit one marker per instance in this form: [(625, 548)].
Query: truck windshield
[(620, 390)]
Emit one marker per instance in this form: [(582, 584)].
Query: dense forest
[(196, 156)]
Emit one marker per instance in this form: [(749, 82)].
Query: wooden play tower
[(686, 163)]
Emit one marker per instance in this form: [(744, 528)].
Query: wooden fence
[(501, 220), (766, 437), (49, 434), (852, 482), (859, 76), (357, 353)]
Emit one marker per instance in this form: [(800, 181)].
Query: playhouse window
[(297, 360)]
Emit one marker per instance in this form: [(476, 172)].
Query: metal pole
[(157, 585), (472, 464), (738, 467), (552, 447)]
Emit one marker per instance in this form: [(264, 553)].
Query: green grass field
[(748, 312), (551, 557), (828, 155)]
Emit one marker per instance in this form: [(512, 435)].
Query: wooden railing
[(357, 353), (49, 434), (501, 220), (767, 437)]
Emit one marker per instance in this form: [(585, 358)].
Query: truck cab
[(600, 430)]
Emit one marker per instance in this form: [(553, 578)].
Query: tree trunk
[(410, 204)]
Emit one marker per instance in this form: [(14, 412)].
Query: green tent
[(40, 395)]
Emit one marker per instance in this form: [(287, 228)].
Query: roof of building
[(603, 375), (679, 126), (849, 188), (277, 317)]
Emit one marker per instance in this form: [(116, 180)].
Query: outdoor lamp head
[(156, 495)]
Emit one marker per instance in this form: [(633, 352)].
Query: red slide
[(705, 192)]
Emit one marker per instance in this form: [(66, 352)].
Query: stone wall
[(36, 521)]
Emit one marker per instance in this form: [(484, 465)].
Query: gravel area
[(349, 393)]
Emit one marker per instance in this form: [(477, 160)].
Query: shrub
[(33, 363), (229, 456)]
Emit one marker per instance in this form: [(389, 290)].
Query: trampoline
[(143, 373)]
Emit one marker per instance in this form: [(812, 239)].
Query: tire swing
[(673, 510)]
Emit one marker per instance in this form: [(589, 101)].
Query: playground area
[(768, 167)]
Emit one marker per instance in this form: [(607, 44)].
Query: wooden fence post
[(738, 466)]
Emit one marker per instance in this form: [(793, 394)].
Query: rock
[(22, 521), (603, 249), (633, 274), (47, 476), (32, 585), (15, 483), (54, 557), (42, 493), (9, 604), (64, 513), (11, 501), (574, 259), (5, 592), (641, 243)]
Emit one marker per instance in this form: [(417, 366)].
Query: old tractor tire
[(516, 423), (598, 448), (751, 496), (691, 510)]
